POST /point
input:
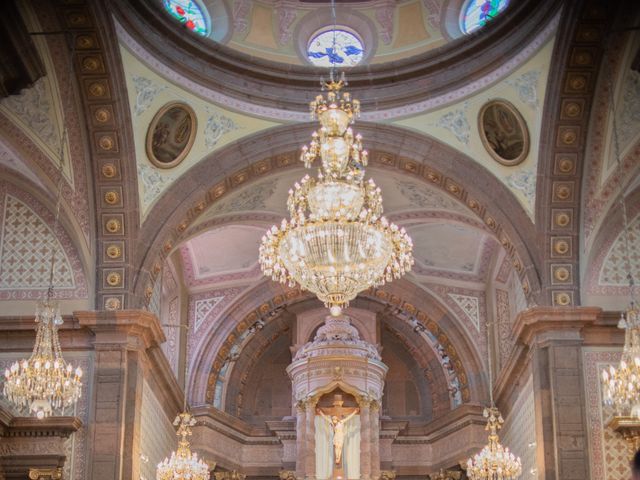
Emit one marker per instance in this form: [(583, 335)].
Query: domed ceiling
[(301, 32), (292, 31)]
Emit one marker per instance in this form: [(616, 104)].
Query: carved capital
[(45, 473)]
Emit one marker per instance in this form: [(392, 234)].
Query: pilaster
[(310, 447), (121, 340), (300, 439), (549, 348), (375, 440), (365, 438)]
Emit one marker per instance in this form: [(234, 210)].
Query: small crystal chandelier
[(621, 385), (183, 463), (45, 384), (337, 242), (494, 462)]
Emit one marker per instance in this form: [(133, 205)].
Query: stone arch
[(32, 208), (611, 228), (268, 297), (418, 156)]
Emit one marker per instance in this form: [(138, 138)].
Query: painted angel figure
[(337, 427)]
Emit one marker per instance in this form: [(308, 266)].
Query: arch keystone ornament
[(337, 243)]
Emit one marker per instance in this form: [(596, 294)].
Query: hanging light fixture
[(45, 384), (337, 242), (494, 461), (621, 385), (183, 463)]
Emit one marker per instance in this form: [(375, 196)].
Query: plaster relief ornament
[(337, 242)]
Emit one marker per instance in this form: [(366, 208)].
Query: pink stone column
[(310, 450), (365, 439), (301, 440), (121, 340), (375, 440)]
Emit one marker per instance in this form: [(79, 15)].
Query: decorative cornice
[(33, 427), (124, 327), (540, 326)]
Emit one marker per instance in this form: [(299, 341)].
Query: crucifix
[(337, 416)]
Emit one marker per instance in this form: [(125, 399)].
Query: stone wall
[(519, 430), (157, 434), (608, 452)]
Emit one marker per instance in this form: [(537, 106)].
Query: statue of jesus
[(337, 421)]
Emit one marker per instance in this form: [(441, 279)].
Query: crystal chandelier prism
[(494, 462), (337, 242), (183, 463), (621, 384), (44, 384)]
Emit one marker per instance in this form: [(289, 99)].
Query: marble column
[(310, 450), (301, 440), (365, 439), (375, 440)]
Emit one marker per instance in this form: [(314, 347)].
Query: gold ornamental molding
[(629, 429), (45, 473)]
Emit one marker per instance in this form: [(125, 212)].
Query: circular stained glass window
[(477, 13), (335, 47), (189, 13)]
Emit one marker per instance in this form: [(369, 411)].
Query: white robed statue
[(335, 422)]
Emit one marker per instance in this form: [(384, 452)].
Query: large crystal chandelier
[(494, 462), (183, 463), (44, 383), (337, 242)]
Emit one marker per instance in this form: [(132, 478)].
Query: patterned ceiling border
[(198, 189), (572, 80), (98, 69)]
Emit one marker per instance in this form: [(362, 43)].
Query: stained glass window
[(477, 13), (189, 13), (345, 51)]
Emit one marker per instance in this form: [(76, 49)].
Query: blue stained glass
[(477, 13), (348, 50), (189, 14)]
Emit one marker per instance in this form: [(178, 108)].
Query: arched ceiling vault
[(411, 154)]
